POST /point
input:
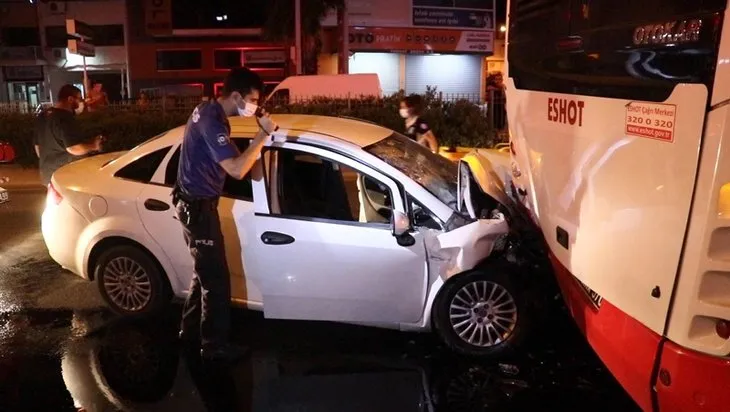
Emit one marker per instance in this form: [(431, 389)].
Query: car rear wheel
[(481, 313), (131, 282)]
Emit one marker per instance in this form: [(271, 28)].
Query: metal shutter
[(386, 65), (451, 74)]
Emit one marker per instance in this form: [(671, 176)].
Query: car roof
[(358, 132)]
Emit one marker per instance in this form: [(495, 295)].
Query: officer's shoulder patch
[(222, 139), (196, 115)]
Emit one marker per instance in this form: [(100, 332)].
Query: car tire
[(496, 304), (131, 282)]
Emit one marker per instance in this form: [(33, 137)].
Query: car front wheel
[(131, 282), (481, 313)]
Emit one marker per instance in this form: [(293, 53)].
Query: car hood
[(489, 169)]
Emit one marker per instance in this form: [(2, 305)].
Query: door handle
[(156, 205), (275, 238)]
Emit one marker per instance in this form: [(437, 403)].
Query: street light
[(503, 28)]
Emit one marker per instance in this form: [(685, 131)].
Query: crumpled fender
[(462, 249)]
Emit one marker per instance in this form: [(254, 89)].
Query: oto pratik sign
[(402, 40)]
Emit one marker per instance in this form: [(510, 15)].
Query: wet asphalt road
[(61, 351)]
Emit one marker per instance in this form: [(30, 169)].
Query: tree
[(280, 26)]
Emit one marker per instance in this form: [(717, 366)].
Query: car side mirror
[(400, 222)]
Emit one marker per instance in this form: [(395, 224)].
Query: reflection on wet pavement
[(61, 351), (92, 361)]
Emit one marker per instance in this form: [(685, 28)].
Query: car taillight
[(53, 196)]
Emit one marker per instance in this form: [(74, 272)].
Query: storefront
[(25, 84), (453, 61)]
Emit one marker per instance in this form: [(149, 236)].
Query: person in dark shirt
[(411, 109), (57, 138), (207, 155)]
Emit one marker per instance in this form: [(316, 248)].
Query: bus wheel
[(481, 313)]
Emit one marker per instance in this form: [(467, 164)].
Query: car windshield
[(435, 173)]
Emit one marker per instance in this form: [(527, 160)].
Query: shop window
[(227, 59), (179, 60), (56, 36), (20, 36), (108, 35)]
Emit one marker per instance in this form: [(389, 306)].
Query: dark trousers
[(207, 310)]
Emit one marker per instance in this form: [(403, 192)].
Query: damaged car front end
[(486, 263)]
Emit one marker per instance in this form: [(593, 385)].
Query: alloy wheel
[(483, 313), (127, 284)]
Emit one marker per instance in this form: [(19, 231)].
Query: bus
[(619, 120)]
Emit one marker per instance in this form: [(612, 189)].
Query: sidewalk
[(20, 178)]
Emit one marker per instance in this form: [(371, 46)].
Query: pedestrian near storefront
[(206, 157), (411, 109), (58, 140)]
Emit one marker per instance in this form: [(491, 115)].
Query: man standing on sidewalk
[(57, 138)]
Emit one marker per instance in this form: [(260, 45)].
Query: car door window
[(311, 186), (234, 188), (142, 169)]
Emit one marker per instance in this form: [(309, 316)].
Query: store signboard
[(264, 56), (453, 14), (374, 13), (410, 40), (23, 73)]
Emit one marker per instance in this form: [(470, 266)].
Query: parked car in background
[(296, 89), (340, 220)]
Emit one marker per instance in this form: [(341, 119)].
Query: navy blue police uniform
[(199, 185), (419, 127)]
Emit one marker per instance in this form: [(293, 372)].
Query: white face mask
[(404, 113), (248, 110)]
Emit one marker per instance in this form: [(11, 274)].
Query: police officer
[(206, 157)]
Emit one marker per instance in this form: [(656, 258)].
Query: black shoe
[(228, 353)]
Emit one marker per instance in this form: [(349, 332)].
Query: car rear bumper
[(62, 226)]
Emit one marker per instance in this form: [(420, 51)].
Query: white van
[(299, 88)]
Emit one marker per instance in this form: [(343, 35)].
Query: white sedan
[(340, 220)]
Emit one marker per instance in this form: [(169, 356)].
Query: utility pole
[(343, 25), (298, 34)]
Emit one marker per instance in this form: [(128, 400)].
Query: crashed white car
[(340, 220)]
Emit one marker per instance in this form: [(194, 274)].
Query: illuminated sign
[(682, 31)]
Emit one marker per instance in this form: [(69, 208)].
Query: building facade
[(33, 54), (418, 44), (177, 49)]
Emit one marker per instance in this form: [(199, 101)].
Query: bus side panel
[(612, 202), (626, 347)]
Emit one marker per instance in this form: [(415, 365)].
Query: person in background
[(411, 109), (496, 98), (97, 99), (57, 139), (143, 100)]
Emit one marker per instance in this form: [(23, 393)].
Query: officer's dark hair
[(242, 80), (68, 90), (415, 103)]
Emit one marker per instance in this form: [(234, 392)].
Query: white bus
[(619, 119)]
